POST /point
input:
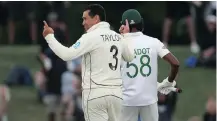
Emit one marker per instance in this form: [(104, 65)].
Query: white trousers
[(102, 104), (147, 113)]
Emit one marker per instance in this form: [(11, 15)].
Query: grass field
[(197, 84)]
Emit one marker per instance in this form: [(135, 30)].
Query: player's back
[(140, 75), (101, 66)]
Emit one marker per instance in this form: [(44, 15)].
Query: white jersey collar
[(133, 34), (99, 25)]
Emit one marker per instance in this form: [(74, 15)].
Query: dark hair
[(96, 9), (138, 26)]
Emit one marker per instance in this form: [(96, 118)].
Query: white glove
[(167, 90), (166, 87)]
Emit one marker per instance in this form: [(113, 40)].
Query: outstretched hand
[(47, 30)]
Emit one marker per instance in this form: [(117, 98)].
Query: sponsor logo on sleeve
[(77, 45)]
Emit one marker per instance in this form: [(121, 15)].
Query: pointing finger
[(127, 24), (45, 24)]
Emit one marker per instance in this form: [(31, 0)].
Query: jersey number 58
[(137, 70)]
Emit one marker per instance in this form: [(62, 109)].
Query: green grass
[(23, 105), (197, 84)]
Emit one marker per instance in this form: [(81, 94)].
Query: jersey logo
[(76, 45), (132, 22)]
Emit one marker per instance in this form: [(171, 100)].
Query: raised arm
[(83, 45), (127, 49)]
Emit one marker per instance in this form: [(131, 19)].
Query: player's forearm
[(174, 63), (128, 50), (173, 72), (61, 51)]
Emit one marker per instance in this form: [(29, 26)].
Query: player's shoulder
[(110, 31), (90, 37), (117, 34), (150, 38), (97, 32), (87, 35)]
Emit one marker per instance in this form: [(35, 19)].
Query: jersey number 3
[(141, 68), (114, 67)]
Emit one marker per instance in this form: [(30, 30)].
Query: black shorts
[(177, 9)]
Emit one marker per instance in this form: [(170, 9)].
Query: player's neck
[(134, 30)]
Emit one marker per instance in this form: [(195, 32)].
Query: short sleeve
[(161, 49)]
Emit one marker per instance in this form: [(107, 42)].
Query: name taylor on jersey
[(108, 38)]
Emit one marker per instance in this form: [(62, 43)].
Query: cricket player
[(102, 50), (140, 83)]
